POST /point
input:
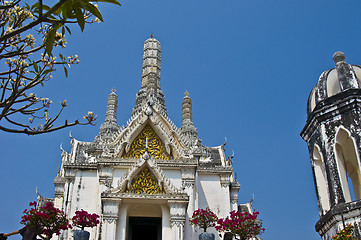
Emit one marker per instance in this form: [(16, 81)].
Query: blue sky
[(248, 66)]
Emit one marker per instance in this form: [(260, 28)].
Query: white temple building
[(145, 179)]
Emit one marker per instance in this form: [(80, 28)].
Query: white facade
[(146, 175)]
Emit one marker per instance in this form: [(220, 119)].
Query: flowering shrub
[(242, 225), (84, 219), (45, 221), (344, 234), (203, 218)]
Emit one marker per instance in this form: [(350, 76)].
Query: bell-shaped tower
[(333, 135)]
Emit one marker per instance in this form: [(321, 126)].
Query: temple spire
[(150, 91), (110, 124), (188, 130), (187, 108), (151, 64)]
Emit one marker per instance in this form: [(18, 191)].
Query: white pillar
[(188, 182), (122, 222), (166, 227), (110, 218), (177, 218)]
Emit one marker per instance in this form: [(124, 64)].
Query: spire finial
[(186, 93), (114, 90), (338, 57), (151, 35)]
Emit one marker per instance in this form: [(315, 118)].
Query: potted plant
[(242, 226), (45, 221), (204, 218), (83, 219)]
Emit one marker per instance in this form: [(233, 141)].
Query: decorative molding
[(110, 219), (225, 180), (110, 208)]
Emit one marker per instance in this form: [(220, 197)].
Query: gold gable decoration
[(155, 145), (146, 183)]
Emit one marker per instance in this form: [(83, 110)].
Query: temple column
[(188, 181), (177, 218), (166, 227), (110, 218)]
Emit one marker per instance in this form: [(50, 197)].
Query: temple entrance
[(145, 228)]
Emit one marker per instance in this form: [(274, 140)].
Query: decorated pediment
[(145, 177), (145, 183), (147, 140)]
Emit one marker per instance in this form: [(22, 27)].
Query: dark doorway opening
[(141, 228)]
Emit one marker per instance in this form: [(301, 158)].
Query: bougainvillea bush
[(84, 219), (45, 221), (203, 218), (344, 234), (241, 225)]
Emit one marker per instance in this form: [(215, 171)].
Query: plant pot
[(81, 235), (228, 236), (206, 236)]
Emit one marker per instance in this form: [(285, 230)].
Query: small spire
[(151, 35), (110, 124), (187, 107), (188, 128), (113, 90)]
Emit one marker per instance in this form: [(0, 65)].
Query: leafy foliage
[(84, 219), (29, 36), (203, 218), (242, 225), (45, 221), (344, 234)]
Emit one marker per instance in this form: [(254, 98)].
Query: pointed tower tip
[(151, 35), (186, 93), (113, 90)]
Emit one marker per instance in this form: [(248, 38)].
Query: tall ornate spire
[(150, 87), (188, 130), (110, 126), (151, 64)]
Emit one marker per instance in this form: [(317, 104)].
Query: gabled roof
[(164, 184)]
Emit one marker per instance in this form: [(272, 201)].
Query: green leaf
[(110, 1), (66, 10), (91, 8), (61, 56), (68, 29), (79, 16), (48, 71), (46, 7), (63, 31), (36, 68), (50, 38), (65, 71)]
